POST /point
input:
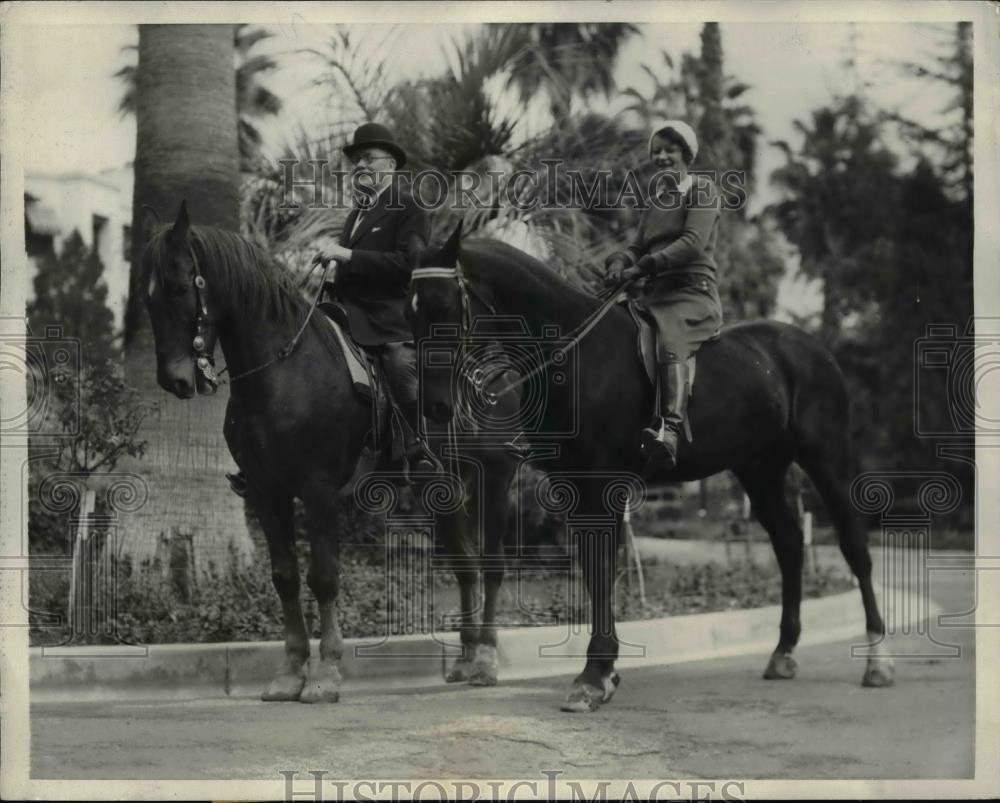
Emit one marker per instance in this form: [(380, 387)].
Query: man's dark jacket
[(386, 247)]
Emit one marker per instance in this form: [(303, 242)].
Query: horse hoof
[(781, 666), (484, 667), (483, 676), (460, 672), (284, 689), (584, 698), (323, 687), (879, 675), (320, 692)]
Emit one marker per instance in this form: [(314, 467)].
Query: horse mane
[(248, 275), (532, 274)]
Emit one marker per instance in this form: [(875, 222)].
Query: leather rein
[(477, 378)]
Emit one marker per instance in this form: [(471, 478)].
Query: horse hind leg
[(766, 489), (597, 553), (830, 479), (275, 517)]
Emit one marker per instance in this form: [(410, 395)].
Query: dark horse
[(294, 426), (766, 394)]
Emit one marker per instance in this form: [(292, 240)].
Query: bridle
[(204, 360), (477, 378)]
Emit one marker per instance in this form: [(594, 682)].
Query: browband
[(434, 273)]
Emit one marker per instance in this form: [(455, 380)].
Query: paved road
[(713, 719)]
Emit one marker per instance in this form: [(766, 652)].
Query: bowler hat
[(373, 135)]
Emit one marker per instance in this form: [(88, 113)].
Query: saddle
[(385, 441), (645, 328)]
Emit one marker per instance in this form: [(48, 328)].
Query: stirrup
[(660, 443)]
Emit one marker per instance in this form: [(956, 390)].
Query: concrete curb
[(218, 670)]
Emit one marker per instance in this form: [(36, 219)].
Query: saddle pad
[(357, 364), (646, 344)]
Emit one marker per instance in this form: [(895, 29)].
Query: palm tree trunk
[(186, 148)]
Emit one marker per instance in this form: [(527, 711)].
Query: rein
[(476, 377)]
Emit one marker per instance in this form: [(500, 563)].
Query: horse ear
[(448, 255), (149, 221), (182, 225)]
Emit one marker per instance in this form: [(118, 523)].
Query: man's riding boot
[(659, 439), (419, 457), (518, 446), (238, 483)]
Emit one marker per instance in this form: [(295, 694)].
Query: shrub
[(245, 607)]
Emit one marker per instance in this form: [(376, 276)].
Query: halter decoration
[(478, 378), (204, 360)]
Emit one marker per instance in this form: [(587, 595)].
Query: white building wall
[(76, 198)]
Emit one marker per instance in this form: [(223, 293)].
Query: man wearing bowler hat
[(380, 245)]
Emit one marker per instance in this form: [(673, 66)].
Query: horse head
[(176, 298), (435, 311)]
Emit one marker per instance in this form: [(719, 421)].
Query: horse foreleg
[(596, 550), (323, 578), (459, 535), (461, 671), (496, 519), (275, 516)]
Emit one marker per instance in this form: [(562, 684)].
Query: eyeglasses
[(366, 159)]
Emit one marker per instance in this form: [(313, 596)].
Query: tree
[(70, 292), (950, 144), (253, 99), (186, 148), (840, 207), (451, 122), (565, 59), (99, 419)]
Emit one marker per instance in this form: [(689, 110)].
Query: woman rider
[(673, 250)]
